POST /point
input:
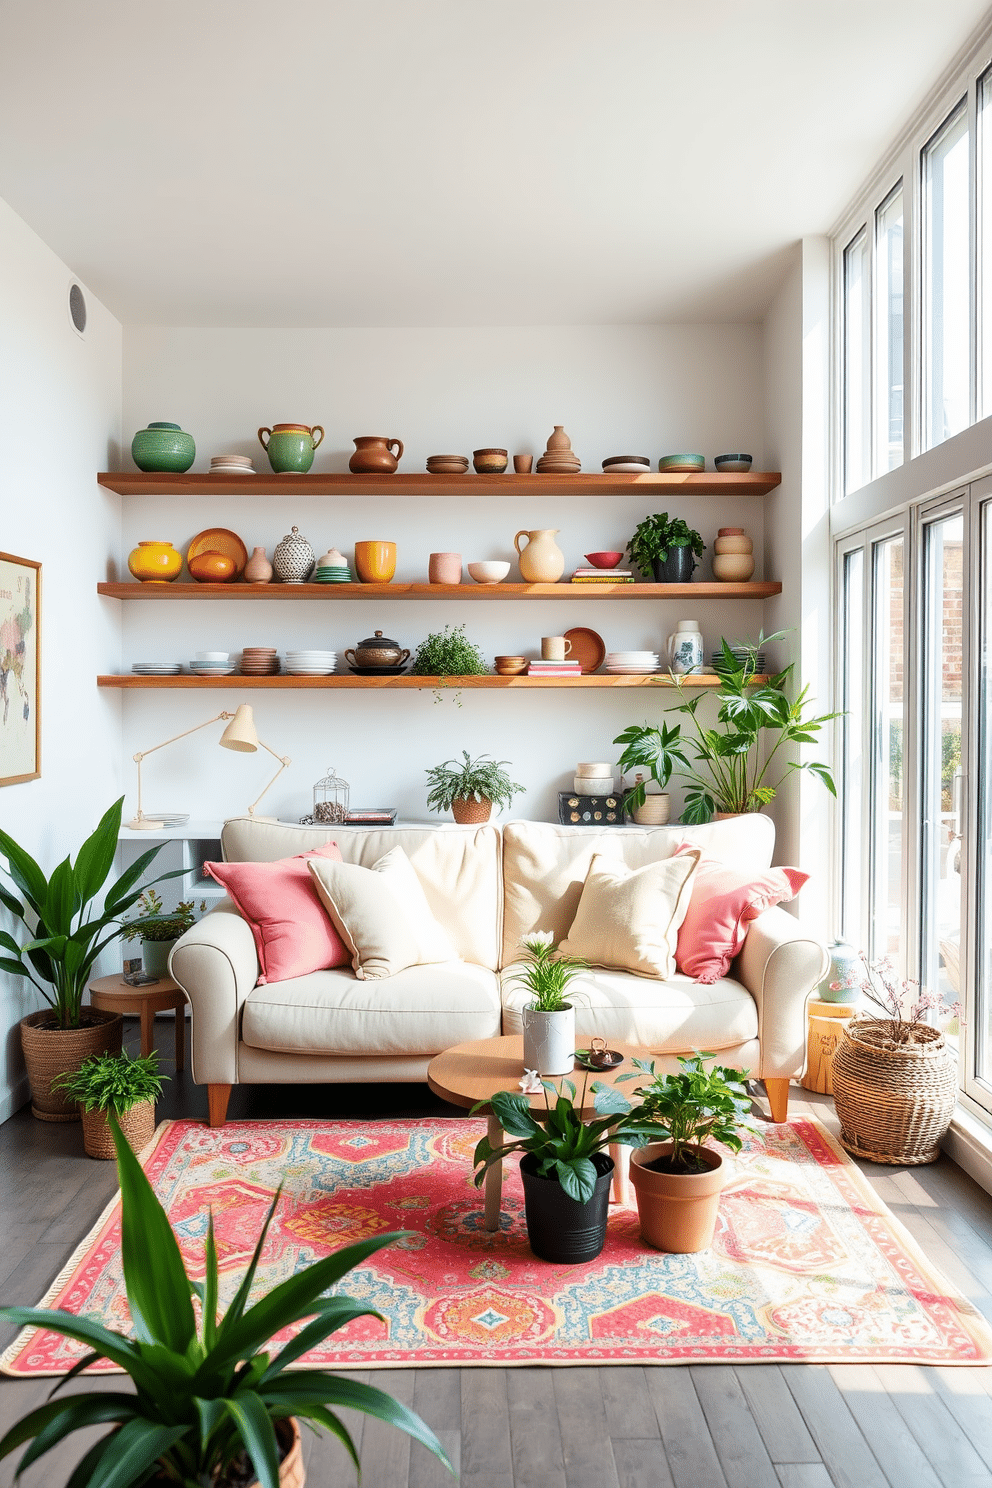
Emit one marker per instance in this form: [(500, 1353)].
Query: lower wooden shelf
[(406, 682)]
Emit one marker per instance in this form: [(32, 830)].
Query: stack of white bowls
[(156, 668), (311, 663), (593, 778), (629, 662), (212, 664), (231, 465)]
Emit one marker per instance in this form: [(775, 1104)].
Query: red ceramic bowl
[(603, 560)]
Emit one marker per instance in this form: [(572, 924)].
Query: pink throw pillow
[(724, 901), (293, 933)]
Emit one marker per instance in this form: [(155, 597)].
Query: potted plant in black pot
[(158, 930), (678, 1177), (665, 549), (566, 1173), (470, 790), (115, 1082)]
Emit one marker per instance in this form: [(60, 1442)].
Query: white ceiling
[(450, 162)]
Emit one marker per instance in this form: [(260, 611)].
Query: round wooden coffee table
[(116, 995), (473, 1072)]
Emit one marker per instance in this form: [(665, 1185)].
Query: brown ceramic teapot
[(377, 651)]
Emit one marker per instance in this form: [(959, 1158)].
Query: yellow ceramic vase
[(155, 562), (375, 562)]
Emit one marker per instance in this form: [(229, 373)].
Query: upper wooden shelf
[(580, 592), (193, 483), (406, 682)]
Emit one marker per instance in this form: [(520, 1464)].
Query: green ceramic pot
[(155, 956), (163, 447), (290, 447)]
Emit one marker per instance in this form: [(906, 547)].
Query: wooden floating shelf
[(181, 591), (407, 682), (708, 483)]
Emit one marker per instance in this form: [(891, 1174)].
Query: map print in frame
[(20, 711)]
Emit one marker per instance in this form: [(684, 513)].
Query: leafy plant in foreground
[(691, 1107)]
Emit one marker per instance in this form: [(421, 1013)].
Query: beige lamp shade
[(240, 732)]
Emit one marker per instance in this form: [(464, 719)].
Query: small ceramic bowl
[(510, 666), (732, 462), (603, 560), (682, 462), (489, 573), (489, 461), (627, 460), (207, 656)]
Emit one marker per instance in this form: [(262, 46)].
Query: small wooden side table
[(827, 1021), (114, 994)]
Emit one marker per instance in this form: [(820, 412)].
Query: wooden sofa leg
[(777, 1092), (217, 1099)]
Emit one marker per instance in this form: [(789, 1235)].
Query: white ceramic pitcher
[(685, 648)]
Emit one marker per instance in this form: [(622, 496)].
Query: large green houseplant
[(736, 765), (207, 1394)]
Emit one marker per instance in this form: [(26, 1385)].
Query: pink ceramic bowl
[(603, 560)]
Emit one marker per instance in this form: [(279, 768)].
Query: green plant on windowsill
[(114, 1082), (207, 1394), (153, 923), (547, 975)]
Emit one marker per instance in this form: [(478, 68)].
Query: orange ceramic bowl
[(212, 568), (375, 561)]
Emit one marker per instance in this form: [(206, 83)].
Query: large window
[(888, 747), (984, 176), (852, 747), (947, 280), (889, 347), (857, 379)]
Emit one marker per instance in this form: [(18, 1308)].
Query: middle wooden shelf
[(760, 589)]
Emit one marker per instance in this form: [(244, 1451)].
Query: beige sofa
[(489, 888)]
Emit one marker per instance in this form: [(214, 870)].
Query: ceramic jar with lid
[(293, 559), (155, 562), (377, 651), (163, 446)]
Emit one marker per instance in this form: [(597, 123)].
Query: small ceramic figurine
[(531, 1083)]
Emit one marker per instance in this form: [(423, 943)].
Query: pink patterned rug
[(806, 1265)]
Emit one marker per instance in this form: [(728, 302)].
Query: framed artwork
[(20, 673)]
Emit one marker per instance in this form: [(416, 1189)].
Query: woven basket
[(468, 812), (895, 1101), (50, 1052), (138, 1126)]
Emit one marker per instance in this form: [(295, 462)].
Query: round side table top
[(116, 986), (474, 1072)]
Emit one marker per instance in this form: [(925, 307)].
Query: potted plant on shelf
[(566, 1174), (211, 1406), (470, 790), (65, 933), (735, 767), (894, 1075), (448, 653), (678, 1178), (549, 1021), (158, 931), (115, 1082), (665, 549)]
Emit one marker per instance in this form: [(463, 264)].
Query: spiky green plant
[(547, 974), (113, 1082)]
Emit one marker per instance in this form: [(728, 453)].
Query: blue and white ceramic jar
[(685, 648)]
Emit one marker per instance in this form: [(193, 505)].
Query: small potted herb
[(549, 1021), (470, 790), (566, 1174), (678, 1177), (665, 548), (159, 931), (115, 1082), (449, 653)]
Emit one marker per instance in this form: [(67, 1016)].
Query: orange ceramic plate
[(588, 648), (219, 540)]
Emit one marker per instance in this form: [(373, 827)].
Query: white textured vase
[(549, 1041)]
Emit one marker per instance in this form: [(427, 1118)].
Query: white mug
[(554, 648)]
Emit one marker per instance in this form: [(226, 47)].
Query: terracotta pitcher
[(541, 560), (374, 455)]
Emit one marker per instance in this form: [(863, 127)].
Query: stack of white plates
[(211, 668), (156, 668), (231, 465), (311, 663), (623, 662)]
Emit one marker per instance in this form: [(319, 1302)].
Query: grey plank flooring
[(698, 1426)]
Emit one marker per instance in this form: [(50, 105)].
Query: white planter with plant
[(470, 790), (549, 1021), (158, 931)]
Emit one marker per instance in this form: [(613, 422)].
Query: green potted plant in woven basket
[(471, 789), (115, 1082), (894, 1075), (213, 1405), (159, 929)]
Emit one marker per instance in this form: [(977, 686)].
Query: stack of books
[(554, 669), (371, 816), (602, 576)]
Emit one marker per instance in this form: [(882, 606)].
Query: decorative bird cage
[(330, 798)]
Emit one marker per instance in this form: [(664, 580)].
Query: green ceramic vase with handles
[(164, 447), (290, 447)]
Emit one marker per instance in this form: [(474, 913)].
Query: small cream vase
[(549, 1041)]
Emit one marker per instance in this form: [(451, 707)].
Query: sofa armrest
[(780, 965), (216, 965)]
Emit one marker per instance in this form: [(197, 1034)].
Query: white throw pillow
[(382, 915), (629, 917)]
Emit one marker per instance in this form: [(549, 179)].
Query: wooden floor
[(698, 1426)]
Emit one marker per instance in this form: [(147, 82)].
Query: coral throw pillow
[(293, 935), (723, 903)]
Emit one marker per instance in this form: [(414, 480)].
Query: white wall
[(617, 389), (59, 423)]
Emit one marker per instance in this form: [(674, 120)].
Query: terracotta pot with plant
[(115, 1082), (65, 933), (159, 930), (470, 790), (678, 1179), (213, 1403), (549, 1021)]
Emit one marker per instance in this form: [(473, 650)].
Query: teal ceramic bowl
[(682, 462), (732, 462), (163, 447)]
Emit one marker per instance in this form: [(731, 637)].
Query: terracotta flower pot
[(50, 1052), (138, 1126), (677, 1210), (469, 812)]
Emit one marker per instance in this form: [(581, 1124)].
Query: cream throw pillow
[(628, 917), (382, 915)]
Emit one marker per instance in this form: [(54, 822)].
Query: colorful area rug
[(806, 1263)]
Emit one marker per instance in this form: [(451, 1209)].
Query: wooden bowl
[(510, 666)]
